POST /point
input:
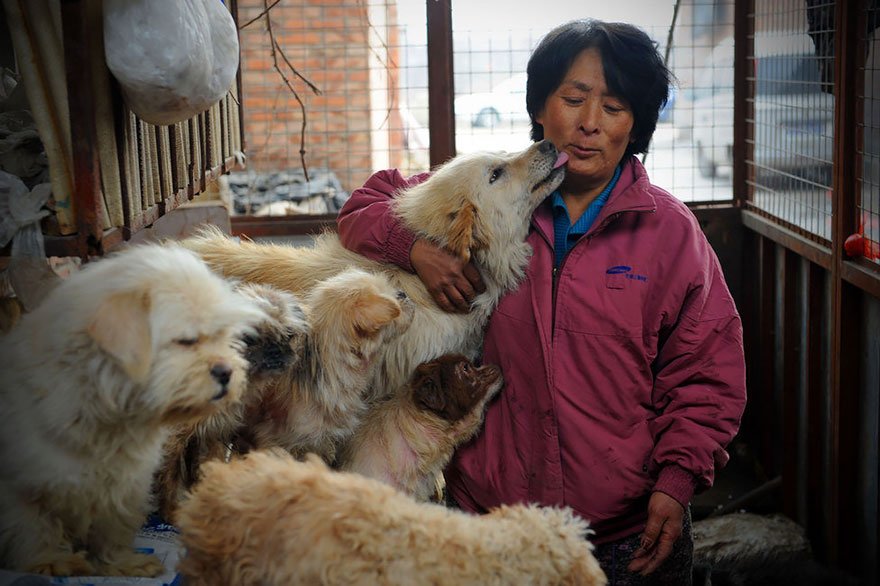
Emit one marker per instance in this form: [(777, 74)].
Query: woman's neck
[(579, 195)]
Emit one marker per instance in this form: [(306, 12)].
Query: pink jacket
[(632, 381)]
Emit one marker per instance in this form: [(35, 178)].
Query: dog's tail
[(246, 260)]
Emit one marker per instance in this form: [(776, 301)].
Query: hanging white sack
[(173, 58)]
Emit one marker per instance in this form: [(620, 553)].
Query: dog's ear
[(121, 328), (428, 391), (467, 232), (372, 312)]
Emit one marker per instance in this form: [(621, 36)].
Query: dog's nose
[(546, 147), (221, 373)]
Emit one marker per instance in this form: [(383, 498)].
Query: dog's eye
[(186, 341), (496, 173)]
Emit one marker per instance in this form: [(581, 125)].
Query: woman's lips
[(580, 151)]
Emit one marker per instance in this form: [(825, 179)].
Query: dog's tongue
[(561, 159)]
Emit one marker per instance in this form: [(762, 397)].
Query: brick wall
[(349, 50)]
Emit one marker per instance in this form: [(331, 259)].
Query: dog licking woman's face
[(451, 386)]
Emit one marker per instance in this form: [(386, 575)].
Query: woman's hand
[(665, 520), (452, 282)]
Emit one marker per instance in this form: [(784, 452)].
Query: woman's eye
[(572, 101), (496, 174)]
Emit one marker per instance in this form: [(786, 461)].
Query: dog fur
[(407, 439), (90, 383), (460, 207), (747, 549), (269, 520), (277, 346), (316, 406)]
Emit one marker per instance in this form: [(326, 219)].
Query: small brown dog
[(268, 520), (276, 345), (408, 439)]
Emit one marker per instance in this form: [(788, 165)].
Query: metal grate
[(791, 96), (369, 60), (868, 204), (691, 152), (371, 112)]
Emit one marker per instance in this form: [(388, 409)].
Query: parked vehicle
[(793, 128), (505, 103), (665, 114)]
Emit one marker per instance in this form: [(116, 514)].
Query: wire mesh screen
[(332, 91), (691, 151), (791, 96), (368, 59), (868, 203)]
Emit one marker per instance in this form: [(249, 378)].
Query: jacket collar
[(631, 194)]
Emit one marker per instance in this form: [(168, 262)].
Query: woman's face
[(584, 120)]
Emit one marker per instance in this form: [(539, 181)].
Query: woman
[(622, 349)]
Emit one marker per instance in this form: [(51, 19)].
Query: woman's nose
[(588, 120)]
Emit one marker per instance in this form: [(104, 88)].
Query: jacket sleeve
[(367, 224), (700, 388)]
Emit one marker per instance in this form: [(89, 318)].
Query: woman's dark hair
[(634, 72)]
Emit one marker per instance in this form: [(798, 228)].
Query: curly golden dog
[(407, 439), (476, 205), (270, 520), (90, 384)]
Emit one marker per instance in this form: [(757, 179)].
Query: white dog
[(90, 382), (477, 205)]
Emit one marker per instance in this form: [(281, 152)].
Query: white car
[(793, 115), (505, 103)]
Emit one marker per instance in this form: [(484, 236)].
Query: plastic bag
[(20, 214), (173, 58)]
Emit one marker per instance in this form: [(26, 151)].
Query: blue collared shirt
[(565, 234)]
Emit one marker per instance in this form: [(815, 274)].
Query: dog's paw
[(68, 564), (131, 564)]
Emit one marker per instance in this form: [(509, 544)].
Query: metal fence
[(370, 62)]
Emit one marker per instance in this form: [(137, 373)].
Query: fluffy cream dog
[(276, 347), (476, 205), (270, 520), (89, 384), (407, 439), (316, 406)]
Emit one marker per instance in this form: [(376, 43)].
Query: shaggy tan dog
[(275, 347), (316, 406), (89, 384), (270, 520), (407, 439), (476, 205)]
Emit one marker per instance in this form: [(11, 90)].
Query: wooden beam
[(86, 197), (441, 87), (743, 107), (844, 440), (771, 229), (298, 225)]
